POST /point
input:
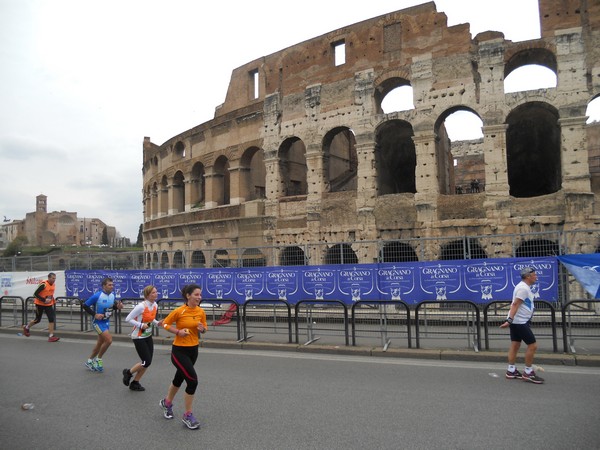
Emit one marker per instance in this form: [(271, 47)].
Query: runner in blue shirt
[(101, 305)]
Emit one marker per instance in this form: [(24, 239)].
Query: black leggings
[(184, 358), (145, 349), (49, 310)]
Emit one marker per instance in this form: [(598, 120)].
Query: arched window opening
[(178, 192), (198, 259), (529, 78), (164, 260), (164, 196), (341, 254), (292, 256), (253, 174), (155, 261), (398, 99), (253, 257), (394, 94), (536, 248), (533, 150), (198, 191), (179, 150), (178, 260), (341, 162), (593, 110), (462, 168), (221, 259), (293, 168), (221, 180), (397, 252), (396, 158), (467, 248)]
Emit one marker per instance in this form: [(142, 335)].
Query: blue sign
[(479, 281)]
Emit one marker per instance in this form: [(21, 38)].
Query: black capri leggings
[(49, 310), (184, 358), (145, 349)]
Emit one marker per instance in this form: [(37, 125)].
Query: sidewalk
[(435, 354)]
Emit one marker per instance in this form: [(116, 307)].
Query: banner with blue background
[(479, 281)]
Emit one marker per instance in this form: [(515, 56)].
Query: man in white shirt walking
[(519, 321)]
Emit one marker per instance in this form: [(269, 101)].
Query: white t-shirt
[(525, 311)]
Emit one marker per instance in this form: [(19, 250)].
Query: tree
[(140, 237), (104, 236), (15, 246)]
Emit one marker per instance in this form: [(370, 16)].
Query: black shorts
[(522, 332), (41, 309)]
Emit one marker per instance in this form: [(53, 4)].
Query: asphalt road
[(285, 400)]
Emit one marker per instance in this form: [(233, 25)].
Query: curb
[(562, 359)]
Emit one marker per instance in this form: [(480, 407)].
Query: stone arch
[(340, 160), (164, 260), (525, 54), (447, 182), (178, 260), (341, 254), (178, 192), (395, 158), (533, 141), (253, 174), (536, 248), (179, 150), (292, 256), (292, 166), (397, 252), (221, 258), (198, 259), (467, 248), (387, 83), (221, 181), (253, 257)]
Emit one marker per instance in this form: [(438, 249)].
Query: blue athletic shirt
[(102, 303)]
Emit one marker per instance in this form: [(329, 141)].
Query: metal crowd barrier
[(15, 304), (374, 323)]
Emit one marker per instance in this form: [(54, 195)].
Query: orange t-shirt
[(186, 317), (47, 291)]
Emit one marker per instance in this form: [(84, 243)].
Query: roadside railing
[(459, 325)]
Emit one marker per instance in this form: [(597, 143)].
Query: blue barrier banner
[(479, 281), (585, 269)]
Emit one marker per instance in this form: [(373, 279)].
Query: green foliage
[(104, 236), (15, 246)]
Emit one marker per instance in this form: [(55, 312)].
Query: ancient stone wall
[(314, 159)]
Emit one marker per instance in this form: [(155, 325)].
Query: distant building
[(57, 228)]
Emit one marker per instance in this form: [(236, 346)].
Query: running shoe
[(127, 377), (90, 365), (167, 410), (99, 365), (532, 377), (136, 386), (190, 421), (26, 331), (53, 339), (513, 375)]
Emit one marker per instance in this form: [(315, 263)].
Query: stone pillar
[(171, 200), (187, 186), (315, 188), (426, 176), (273, 183), (236, 183), (574, 155), (366, 186), (214, 187), (496, 172)]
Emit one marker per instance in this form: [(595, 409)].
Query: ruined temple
[(301, 159)]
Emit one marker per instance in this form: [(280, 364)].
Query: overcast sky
[(82, 83)]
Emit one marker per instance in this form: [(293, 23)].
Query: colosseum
[(301, 165)]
